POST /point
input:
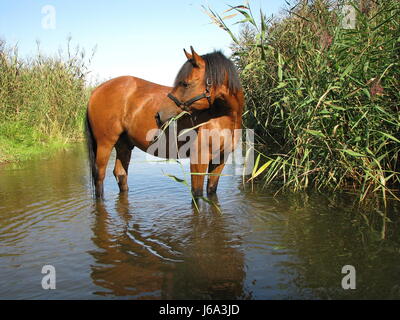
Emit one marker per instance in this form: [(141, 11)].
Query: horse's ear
[(196, 59), (188, 55)]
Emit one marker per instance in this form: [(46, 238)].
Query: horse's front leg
[(199, 159), (198, 171), (214, 170)]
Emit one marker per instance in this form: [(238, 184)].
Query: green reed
[(323, 100), (42, 99)]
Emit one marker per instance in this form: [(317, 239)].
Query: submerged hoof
[(197, 193)]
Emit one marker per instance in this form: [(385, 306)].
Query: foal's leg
[(122, 160), (214, 170)]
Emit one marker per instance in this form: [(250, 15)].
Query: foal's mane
[(217, 68)]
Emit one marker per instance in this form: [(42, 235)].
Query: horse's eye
[(184, 84)]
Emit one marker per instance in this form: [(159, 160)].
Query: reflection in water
[(323, 243), (152, 243), (205, 263), (115, 269)]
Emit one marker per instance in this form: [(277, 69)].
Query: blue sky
[(140, 38)]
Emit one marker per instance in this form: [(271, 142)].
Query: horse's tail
[(91, 148)]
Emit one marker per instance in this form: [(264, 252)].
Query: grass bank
[(323, 99), (42, 101)]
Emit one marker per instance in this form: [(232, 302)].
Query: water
[(152, 243)]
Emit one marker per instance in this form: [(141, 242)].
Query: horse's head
[(202, 80), (192, 89)]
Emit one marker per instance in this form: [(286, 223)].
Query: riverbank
[(19, 142), (42, 101)]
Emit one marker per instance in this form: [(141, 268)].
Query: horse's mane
[(217, 68)]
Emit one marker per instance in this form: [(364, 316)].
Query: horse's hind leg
[(123, 157), (102, 157)]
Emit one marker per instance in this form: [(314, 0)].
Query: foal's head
[(202, 79)]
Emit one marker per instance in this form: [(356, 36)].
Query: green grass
[(19, 141), (42, 101), (323, 100)]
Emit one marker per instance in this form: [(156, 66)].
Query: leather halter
[(184, 105)]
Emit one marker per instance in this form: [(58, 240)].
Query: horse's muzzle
[(163, 116)]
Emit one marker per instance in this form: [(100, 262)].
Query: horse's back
[(120, 89), (114, 88), (125, 104)]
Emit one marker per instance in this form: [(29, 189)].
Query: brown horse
[(125, 111)]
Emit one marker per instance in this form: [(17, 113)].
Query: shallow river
[(152, 243)]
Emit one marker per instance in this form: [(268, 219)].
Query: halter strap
[(184, 105)]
